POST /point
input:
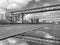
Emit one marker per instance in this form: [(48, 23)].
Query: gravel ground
[(9, 30)]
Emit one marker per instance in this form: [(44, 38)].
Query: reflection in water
[(15, 41), (11, 40)]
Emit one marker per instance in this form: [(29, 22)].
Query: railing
[(39, 9)]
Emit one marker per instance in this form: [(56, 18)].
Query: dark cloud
[(37, 0), (42, 2), (28, 3)]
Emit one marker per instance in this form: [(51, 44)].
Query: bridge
[(20, 13), (16, 30), (36, 10)]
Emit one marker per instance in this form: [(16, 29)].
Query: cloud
[(13, 3), (46, 4), (37, 0), (18, 3), (3, 3), (28, 16), (58, 0), (34, 6)]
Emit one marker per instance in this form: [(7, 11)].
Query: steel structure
[(36, 10), (29, 38)]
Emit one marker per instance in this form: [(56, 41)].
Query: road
[(9, 30)]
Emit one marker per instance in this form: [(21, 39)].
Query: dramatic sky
[(23, 4), (26, 3)]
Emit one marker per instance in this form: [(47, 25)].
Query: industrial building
[(40, 14)]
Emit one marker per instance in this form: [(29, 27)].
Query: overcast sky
[(23, 4), (26, 3)]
